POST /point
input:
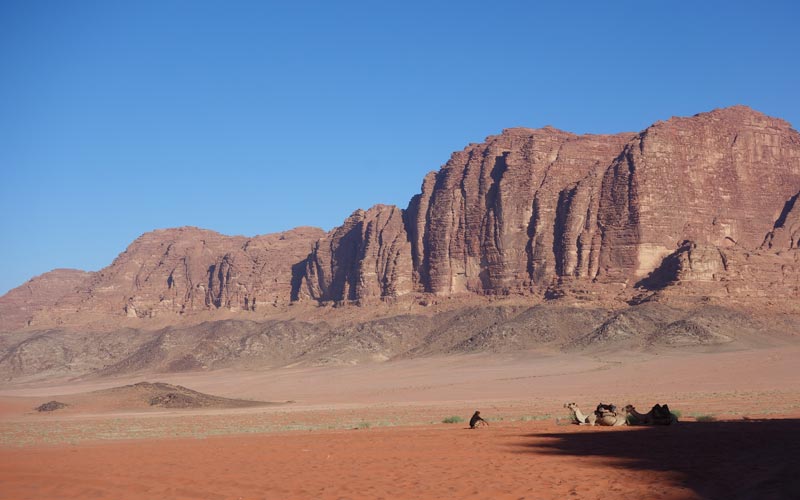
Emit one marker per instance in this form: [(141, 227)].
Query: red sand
[(527, 460), (78, 454)]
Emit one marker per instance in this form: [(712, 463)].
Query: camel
[(578, 416), (658, 415), (604, 418), (609, 418)]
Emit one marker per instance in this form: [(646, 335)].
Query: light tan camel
[(578, 417), (658, 415), (604, 418)]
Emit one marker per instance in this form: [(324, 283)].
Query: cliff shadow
[(787, 207), (744, 459), (560, 229), (298, 273), (662, 276)]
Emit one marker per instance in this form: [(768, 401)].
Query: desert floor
[(376, 431)]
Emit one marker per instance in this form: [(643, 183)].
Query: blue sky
[(117, 118)]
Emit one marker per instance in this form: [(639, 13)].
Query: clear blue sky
[(117, 118)]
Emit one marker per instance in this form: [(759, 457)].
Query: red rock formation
[(189, 269), (369, 256), (786, 233), (708, 201), (19, 305), (720, 178), (496, 218), (703, 269), (531, 210)]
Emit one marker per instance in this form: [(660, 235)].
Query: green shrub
[(533, 418), (706, 418), (452, 420)]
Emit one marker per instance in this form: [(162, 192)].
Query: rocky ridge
[(710, 198), (701, 211), (504, 327), (41, 293), (172, 273)]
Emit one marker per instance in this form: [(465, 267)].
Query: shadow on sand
[(746, 459)]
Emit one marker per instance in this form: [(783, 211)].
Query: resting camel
[(605, 418), (579, 417), (658, 415)]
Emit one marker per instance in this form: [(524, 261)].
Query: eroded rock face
[(786, 233), (709, 270), (708, 202), (720, 178), (534, 210), (368, 257), (511, 214), (189, 269), (19, 306)]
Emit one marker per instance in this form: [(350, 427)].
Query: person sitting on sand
[(476, 420)]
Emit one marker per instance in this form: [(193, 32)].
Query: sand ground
[(376, 431)]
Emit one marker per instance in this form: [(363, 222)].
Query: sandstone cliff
[(41, 293), (177, 271), (703, 206), (369, 256), (720, 179), (685, 234), (512, 213), (709, 198)]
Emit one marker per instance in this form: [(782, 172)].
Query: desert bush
[(452, 420), (705, 418)]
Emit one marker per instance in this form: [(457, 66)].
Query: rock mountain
[(699, 206), (708, 200)]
